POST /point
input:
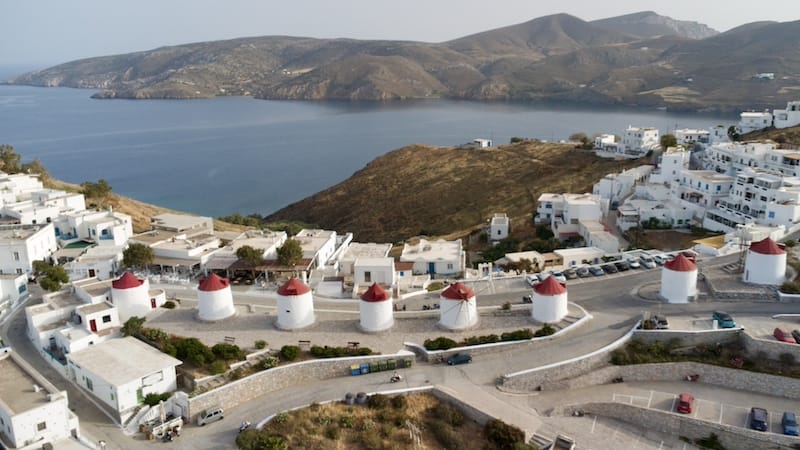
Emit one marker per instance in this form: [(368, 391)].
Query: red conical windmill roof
[(375, 293), (293, 287), (681, 264), (767, 247), (213, 282), (550, 286), (126, 281), (458, 291)]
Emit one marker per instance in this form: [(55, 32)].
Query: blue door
[(431, 268)]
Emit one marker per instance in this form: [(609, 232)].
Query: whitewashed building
[(318, 245), (133, 296), (498, 229), (33, 412), (617, 186), (639, 140), (689, 136), (356, 250), (679, 280), (376, 310), (102, 227), (549, 301), (18, 187), (374, 270), (789, 117), (12, 288), (753, 121), (606, 142), (21, 245), (121, 372), (765, 263), (458, 308), (214, 299), (573, 257), (437, 258), (672, 162), (101, 261), (295, 305)]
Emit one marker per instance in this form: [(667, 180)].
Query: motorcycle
[(395, 378), (168, 436), (245, 425), (693, 377)]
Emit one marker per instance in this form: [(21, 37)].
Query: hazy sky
[(45, 32)]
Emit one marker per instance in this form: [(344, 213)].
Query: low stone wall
[(772, 348), (690, 338), (258, 384), (788, 298), (731, 437), (436, 355)]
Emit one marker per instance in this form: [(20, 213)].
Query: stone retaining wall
[(731, 437), (690, 338), (772, 348), (258, 384)]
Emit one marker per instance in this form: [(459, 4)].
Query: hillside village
[(749, 191)]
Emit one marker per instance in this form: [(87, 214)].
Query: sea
[(228, 155)]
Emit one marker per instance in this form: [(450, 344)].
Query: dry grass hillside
[(441, 190), (140, 212), (787, 137)]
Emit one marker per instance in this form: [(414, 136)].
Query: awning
[(174, 262), (221, 262)]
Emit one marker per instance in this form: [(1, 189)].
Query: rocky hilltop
[(639, 59)]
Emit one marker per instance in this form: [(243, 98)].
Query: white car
[(560, 277), (647, 261), (634, 264), (532, 279)]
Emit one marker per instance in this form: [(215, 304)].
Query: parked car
[(531, 279), (789, 423), (622, 265), (647, 262), (685, 403), (210, 415), (527, 298), (459, 358), (609, 268), (659, 259), (783, 335), (558, 276), (661, 322), (596, 271), (724, 319), (633, 263), (583, 272), (571, 274), (759, 417), (796, 335)]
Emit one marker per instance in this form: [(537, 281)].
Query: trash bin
[(364, 368), (355, 370), (374, 367), (349, 398), (361, 398), (382, 365), (391, 364)]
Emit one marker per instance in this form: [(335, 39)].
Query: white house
[(753, 121), (102, 227), (33, 412), (498, 229), (21, 245), (356, 250), (572, 257), (789, 117), (182, 224), (318, 245), (639, 140), (482, 143), (374, 270), (17, 187), (121, 372), (672, 162), (606, 142), (101, 261), (617, 186), (689, 136), (437, 258)]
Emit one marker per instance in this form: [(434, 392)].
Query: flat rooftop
[(710, 175), (375, 262), (120, 361), (95, 307), (17, 390), (426, 250), (93, 286), (366, 250), (153, 237), (18, 232), (179, 222)]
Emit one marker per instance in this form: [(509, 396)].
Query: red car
[(685, 403), (783, 335)]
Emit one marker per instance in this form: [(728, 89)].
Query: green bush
[(478, 340), (253, 439), (261, 344), (448, 414), (153, 399), (377, 401), (268, 363), (169, 304), (710, 442), (337, 352), (546, 330), (446, 436), (503, 435), (791, 287), (228, 352), (218, 367), (440, 343), (290, 352), (518, 335), (191, 349), (156, 335), (435, 286), (347, 421)]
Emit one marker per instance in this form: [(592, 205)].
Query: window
[(367, 276), (499, 232), (16, 256), (89, 384), (719, 188), (41, 426), (449, 266), (107, 318), (19, 271), (771, 214)]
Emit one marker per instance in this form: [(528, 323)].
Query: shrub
[(506, 306), (156, 335), (268, 363), (710, 442), (169, 304), (399, 402), (253, 439), (478, 340), (518, 335), (377, 401), (503, 435), (261, 344), (236, 373), (228, 352), (333, 432), (446, 436), (546, 330), (153, 399), (371, 440), (440, 343), (449, 414), (347, 421), (290, 352), (191, 349), (336, 352), (790, 287), (435, 286), (218, 367)]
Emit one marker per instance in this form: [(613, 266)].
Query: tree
[(9, 160), (290, 253), (99, 190), (732, 133), (50, 277), (137, 255), (251, 256), (133, 326), (668, 140), (35, 167), (586, 143)]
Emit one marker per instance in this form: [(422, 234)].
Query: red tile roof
[(681, 264), (126, 281), (458, 291), (767, 247), (375, 293), (550, 286), (213, 282), (293, 287)]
